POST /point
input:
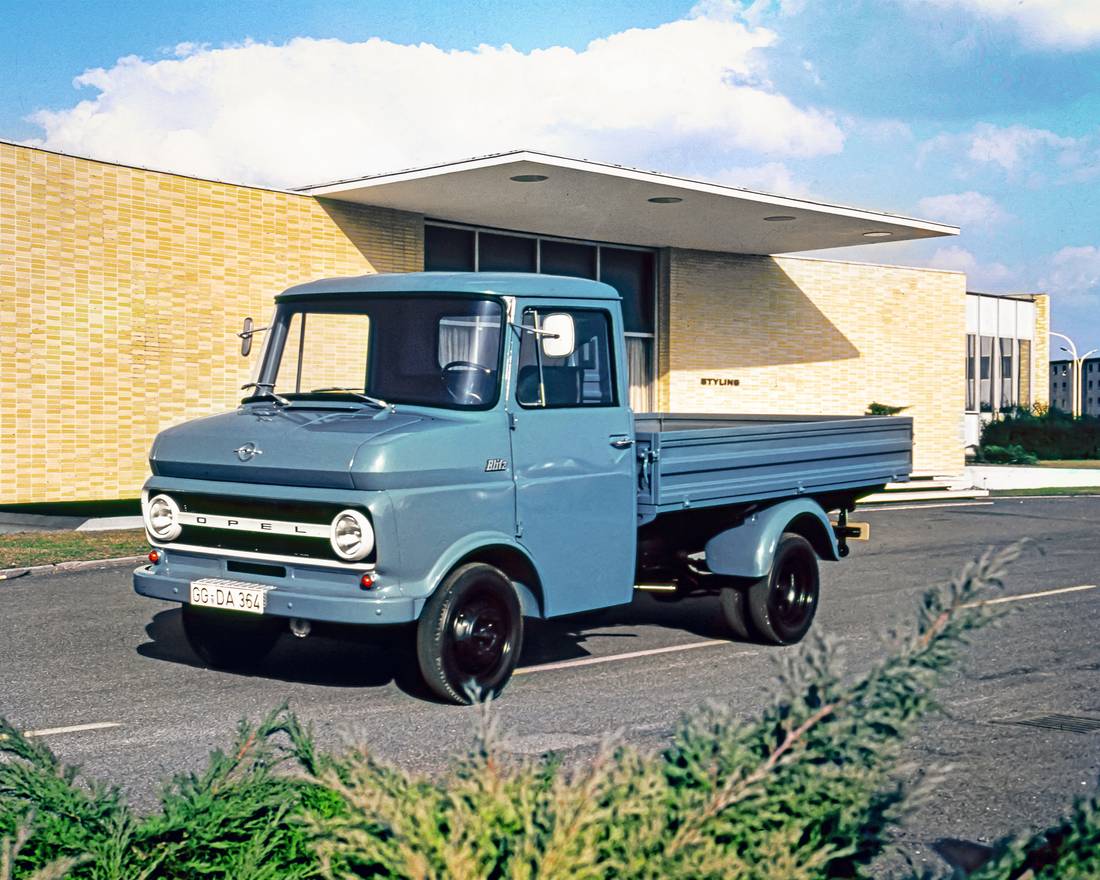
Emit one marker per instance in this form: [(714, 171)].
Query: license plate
[(229, 595)]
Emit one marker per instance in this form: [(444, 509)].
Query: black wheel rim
[(479, 638), (793, 596)]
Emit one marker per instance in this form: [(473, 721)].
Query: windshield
[(429, 350)]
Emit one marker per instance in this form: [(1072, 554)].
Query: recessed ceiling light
[(877, 233), (529, 178), (779, 218), (665, 200)]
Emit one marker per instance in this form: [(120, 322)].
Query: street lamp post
[(1078, 369)]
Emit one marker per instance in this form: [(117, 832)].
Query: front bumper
[(333, 597)]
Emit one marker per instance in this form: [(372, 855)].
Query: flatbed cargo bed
[(695, 460)]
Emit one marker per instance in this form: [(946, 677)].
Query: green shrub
[(238, 818), (1005, 455), (882, 409), (808, 790), (1051, 436)]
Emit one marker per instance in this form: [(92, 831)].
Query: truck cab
[(450, 451)]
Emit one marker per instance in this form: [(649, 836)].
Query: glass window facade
[(971, 372), (631, 271)]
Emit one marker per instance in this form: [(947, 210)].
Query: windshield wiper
[(266, 390), (374, 401)]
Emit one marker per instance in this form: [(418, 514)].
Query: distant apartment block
[(1061, 386)]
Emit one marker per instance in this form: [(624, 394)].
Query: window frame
[(297, 305), (612, 357)]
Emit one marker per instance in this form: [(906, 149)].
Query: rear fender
[(747, 550)]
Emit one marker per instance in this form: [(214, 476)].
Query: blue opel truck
[(456, 452)]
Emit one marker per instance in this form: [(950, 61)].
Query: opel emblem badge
[(248, 452)]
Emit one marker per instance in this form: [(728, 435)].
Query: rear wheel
[(470, 634), (782, 605), (229, 639), (734, 604)]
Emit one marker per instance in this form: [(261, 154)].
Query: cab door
[(573, 462)]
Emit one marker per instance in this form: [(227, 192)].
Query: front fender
[(747, 550), (462, 548)]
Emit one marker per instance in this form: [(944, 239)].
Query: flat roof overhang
[(589, 200)]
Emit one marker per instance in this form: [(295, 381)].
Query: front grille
[(258, 508), (265, 543), (258, 542)]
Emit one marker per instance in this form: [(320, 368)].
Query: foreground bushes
[(1051, 436), (806, 791)]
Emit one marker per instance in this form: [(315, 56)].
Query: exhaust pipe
[(662, 587), (300, 628)]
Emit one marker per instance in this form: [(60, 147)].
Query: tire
[(783, 604), (734, 604), (470, 634), (229, 640)]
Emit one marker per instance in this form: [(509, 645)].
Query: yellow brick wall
[(1040, 351), (813, 336), (120, 292)]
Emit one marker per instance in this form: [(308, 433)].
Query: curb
[(56, 567)]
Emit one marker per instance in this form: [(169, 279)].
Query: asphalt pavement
[(111, 675)]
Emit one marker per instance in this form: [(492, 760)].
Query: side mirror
[(246, 337), (557, 335)]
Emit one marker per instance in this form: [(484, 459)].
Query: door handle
[(622, 442)]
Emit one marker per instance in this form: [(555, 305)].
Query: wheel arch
[(820, 534), (748, 549), (517, 567)]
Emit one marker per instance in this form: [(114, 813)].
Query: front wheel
[(470, 634), (782, 605), (229, 639)]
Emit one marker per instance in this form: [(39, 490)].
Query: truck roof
[(499, 283)]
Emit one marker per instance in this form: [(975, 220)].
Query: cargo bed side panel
[(703, 461)]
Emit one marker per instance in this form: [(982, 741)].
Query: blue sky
[(983, 113)]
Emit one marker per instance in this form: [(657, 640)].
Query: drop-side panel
[(705, 460)]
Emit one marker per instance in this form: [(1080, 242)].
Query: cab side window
[(584, 378)]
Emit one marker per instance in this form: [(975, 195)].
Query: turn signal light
[(154, 557), (366, 581)]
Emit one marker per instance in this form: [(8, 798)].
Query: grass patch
[(1092, 463), (23, 549), (1052, 491)]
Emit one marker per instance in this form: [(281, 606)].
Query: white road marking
[(691, 646), (1024, 596), (860, 509), (630, 655), (75, 728)]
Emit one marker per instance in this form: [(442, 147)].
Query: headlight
[(351, 535), (162, 518)]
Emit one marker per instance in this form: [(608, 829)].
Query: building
[(122, 289), (1061, 386), (1006, 353)]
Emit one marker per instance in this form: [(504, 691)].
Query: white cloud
[(770, 177), (979, 275), (1007, 147), (965, 209), (1074, 275), (1051, 24), (313, 110), (1012, 148)]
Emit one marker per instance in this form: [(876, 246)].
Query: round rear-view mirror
[(558, 337)]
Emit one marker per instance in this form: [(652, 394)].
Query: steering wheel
[(456, 369)]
